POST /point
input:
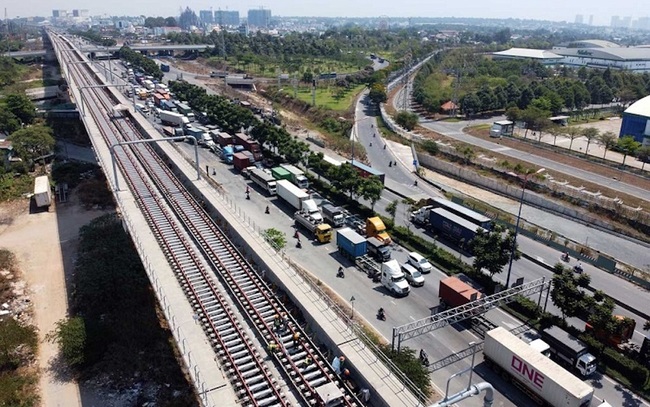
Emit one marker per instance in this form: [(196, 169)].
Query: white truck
[(392, 278), (298, 198), (333, 214), (42, 192), (297, 176), (539, 377), (568, 350), (264, 180), (173, 119)]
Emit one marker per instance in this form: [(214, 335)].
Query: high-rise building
[(59, 13), (621, 22), (260, 18), (580, 19), (226, 18), (591, 19), (206, 16)]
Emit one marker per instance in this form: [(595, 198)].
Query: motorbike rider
[(340, 273), (381, 314)]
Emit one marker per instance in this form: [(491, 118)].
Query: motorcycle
[(424, 358), (565, 257), (381, 315), (298, 244), (340, 273), (578, 268)]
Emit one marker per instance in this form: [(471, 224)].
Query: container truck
[(454, 292), (185, 110), (226, 154), (333, 214), (298, 198), (42, 192), (536, 375), (570, 351), (322, 231), (224, 139), (173, 119), (378, 249), (241, 161), (392, 278), (351, 244), (297, 176), (264, 180), (376, 228), (169, 106), (164, 67), (249, 144), (281, 173), (452, 226), (624, 331), (173, 131)]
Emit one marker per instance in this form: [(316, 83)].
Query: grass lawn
[(327, 97)]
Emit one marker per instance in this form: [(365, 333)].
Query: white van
[(142, 108), (412, 275), (419, 262)]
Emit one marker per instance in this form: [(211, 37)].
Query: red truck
[(249, 144), (624, 332), (241, 161), (224, 139), (454, 292)]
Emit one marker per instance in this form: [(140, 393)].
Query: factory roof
[(614, 54), (527, 53), (640, 108)]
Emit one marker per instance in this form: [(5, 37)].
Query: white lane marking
[(412, 319)]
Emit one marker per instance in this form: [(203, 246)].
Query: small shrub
[(70, 335)]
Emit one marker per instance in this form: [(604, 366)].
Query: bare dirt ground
[(45, 245)]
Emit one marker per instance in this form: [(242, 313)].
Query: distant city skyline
[(553, 10)]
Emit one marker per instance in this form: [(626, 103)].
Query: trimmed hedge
[(633, 371)]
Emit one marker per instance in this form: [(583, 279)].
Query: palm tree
[(590, 133)]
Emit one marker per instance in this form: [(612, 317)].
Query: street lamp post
[(514, 240), (352, 300)]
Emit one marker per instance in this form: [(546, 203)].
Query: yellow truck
[(322, 231), (376, 228)]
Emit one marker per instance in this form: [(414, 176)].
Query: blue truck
[(226, 154), (452, 226), (164, 67), (351, 244)]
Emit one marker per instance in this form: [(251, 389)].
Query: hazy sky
[(556, 10)]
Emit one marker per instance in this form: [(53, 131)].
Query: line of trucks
[(537, 367)]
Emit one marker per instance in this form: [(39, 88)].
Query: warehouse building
[(636, 121), (544, 57)]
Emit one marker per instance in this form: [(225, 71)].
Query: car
[(412, 275), (419, 262)]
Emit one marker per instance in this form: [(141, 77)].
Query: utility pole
[(313, 92)]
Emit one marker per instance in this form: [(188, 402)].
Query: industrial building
[(588, 53), (544, 57), (636, 121)]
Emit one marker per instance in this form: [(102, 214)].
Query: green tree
[(32, 142), (407, 120), (276, 238), (307, 77), (628, 145), (513, 114), (345, 178), (590, 133), (492, 249), (70, 335), (8, 122), (377, 93), (566, 294), (467, 152), (572, 133), (643, 154), (391, 208), (370, 189), (21, 107), (608, 140)]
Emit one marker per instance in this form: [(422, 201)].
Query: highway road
[(369, 296), (455, 130), (625, 250)]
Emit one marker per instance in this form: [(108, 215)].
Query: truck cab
[(334, 214), (375, 228), (309, 206), (393, 279), (378, 250)]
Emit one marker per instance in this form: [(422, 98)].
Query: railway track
[(213, 273)]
